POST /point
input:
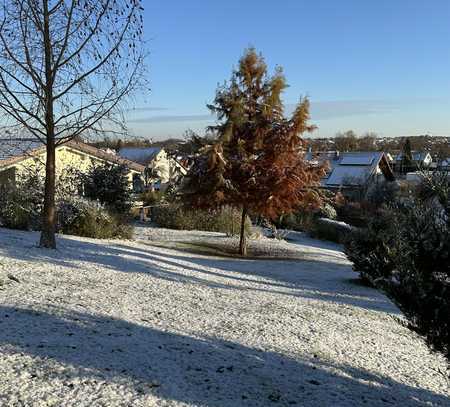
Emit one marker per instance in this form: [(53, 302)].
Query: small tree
[(109, 184), (256, 161)]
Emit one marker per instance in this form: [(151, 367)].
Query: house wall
[(66, 157), (161, 163)]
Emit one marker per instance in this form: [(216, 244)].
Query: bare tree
[(66, 67)]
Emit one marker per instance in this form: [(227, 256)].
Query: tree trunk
[(49, 213), (243, 240)]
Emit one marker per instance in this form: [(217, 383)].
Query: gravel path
[(123, 323)]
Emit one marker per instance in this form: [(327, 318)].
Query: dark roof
[(15, 150)]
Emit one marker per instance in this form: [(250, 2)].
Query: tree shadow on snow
[(308, 279), (203, 371), (316, 280)]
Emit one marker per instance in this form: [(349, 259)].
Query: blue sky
[(381, 66)]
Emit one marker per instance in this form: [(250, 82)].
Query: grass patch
[(225, 251)]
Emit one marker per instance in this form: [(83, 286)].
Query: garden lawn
[(133, 323)]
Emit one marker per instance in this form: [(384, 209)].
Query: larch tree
[(66, 68), (256, 162)]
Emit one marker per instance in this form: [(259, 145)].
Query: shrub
[(423, 264), (152, 197), (326, 211), (21, 204), (353, 213), (383, 193), (434, 186), (305, 220), (405, 251), (225, 220), (300, 221), (328, 229), (372, 249), (109, 184), (81, 217), (16, 212)]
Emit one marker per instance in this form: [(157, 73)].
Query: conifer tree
[(407, 158), (256, 162)]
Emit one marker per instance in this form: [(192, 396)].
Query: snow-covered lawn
[(123, 323)]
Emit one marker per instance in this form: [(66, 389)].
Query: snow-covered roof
[(349, 168), (349, 175), (142, 155), (357, 159), (10, 148), (354, 168)]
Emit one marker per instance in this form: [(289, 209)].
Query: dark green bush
[(406, 252), (225, 220), (382, 193), (109, 185), (372, 249), (423, 274), (331, 230), (354, 213)]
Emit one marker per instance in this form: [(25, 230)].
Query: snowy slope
[(123, 323)]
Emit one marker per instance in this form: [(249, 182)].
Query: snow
[(337, 223), (141, 155), (360, 159), (129, 323), (349, 175), (17, 147)]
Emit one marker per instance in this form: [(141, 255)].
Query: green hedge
[(225, 220), (328, 229)]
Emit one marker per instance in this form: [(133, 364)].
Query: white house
[(161, 169), (18, 156)]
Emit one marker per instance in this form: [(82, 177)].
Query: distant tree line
[(437, 146)]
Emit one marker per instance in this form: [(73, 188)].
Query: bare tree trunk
[(49, 213), (243, 240)]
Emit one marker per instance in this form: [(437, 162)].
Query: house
[(420, 160), (161, 169), (20, 155), (352, 170)]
